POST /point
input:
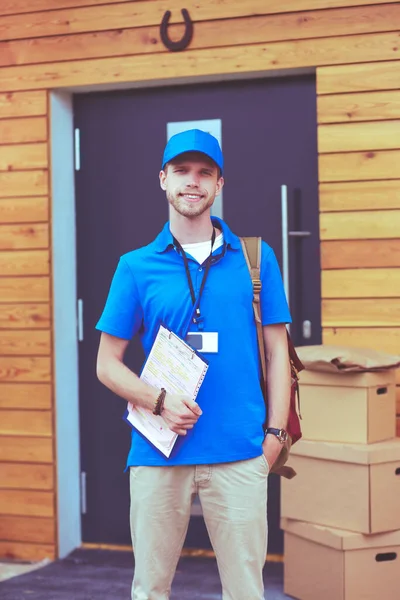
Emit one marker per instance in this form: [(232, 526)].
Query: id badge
[(203, 341)]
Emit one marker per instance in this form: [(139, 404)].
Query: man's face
[(191, 182)]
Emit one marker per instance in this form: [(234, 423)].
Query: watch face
[(283, 436)]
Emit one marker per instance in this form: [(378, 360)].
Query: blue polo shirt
[(150, 287)]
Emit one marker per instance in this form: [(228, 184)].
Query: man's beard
[(189, 210)]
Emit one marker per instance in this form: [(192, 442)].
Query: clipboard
[(174, 365)]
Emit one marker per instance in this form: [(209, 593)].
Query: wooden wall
[(27, 469), (45, 44)]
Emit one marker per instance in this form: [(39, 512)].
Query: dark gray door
[(269, 140)]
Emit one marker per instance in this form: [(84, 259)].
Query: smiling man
[(189, 182), (194, 279)]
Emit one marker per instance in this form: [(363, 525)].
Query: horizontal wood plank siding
[(32, 503), (22, 6), (24, 262), (204, 62), (17, 237), (26, 449), (359, 78), (361, 312), (355, 254), (21, 476), (365, 106), (16, 7), (360, 166), (141, 14), (24, 183), (359, 142), (25, 316), (23, 104), (367, 225), (38, 423), (358, 195), (386, 339), (25, 289), (361, 283), (354, 45), (27, 460), (27, 529), (239, 31), (348, 137), (23, 130), (26, 551), (25, 369), (27, 396), (20, 157), (24, 210), (25, 342)]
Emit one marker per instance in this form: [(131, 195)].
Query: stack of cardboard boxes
[(341, 514)]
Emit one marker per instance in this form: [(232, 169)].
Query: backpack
[(252, 252)]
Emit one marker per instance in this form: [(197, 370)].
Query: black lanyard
[(198, 319)]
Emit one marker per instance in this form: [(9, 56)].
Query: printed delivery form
[(172, 365)]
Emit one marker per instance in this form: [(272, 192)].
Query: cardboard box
[(347, 486), (348, 407), (329, 564)]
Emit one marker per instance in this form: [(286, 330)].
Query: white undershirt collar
[(201, 250)]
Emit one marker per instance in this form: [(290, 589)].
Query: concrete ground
[(106, 575), (13, 568)]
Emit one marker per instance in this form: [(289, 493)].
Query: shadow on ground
[(106, 575)]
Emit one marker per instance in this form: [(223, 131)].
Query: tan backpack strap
[(252, 252)]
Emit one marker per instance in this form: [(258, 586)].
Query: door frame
[(65, 339), (64, 277)]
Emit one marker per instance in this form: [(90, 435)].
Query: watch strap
[(273, 430), (281, 434)]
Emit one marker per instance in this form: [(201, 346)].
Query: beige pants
[(233, 497)]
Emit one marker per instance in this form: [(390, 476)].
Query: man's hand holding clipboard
[(180, 413)]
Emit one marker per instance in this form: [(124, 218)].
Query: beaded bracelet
[(159, 405)]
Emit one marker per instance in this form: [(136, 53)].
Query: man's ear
[(220, 185), (163, 177)]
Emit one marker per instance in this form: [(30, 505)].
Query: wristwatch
[(281, 434)]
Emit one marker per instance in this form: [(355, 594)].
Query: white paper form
[(172, 365)]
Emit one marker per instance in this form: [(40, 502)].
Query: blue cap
[(193, 140)]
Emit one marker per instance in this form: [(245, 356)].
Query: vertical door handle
[(83, 493), (80, 320), (285, 244), (286, 234), (285, 240), (77, 149)]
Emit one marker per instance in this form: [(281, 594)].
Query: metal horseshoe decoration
[(187, 37)]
